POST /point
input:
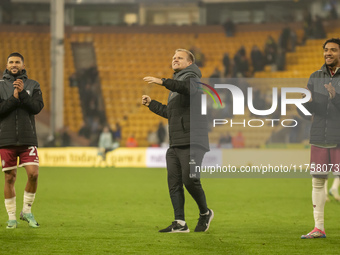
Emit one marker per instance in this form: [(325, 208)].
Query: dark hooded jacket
[(17, 124), (326, 112), (186, 124)]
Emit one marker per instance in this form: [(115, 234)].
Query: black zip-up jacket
[(186, 124), (17, 124), (326, 112)]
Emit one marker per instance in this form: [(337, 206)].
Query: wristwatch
[(163, 80)]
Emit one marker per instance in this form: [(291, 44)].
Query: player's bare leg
[(10, 198), (32, 178), (10, 178), (29, 195)]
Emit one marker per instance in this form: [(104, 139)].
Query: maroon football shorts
[(28, 155), (324, 160)]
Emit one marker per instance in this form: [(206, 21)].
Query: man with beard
[(20, 100), (324, 104), (188, 139)]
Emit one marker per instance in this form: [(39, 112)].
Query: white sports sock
[(181, 222), (28, 201), (319, 200), (11, 207), (326, 188)]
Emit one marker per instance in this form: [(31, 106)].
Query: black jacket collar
[(7, 76)]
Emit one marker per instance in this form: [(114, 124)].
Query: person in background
[(105, 142), (226, 64), (257, 59), (238, 140), (225, 141), (152, 139), (131, 141)]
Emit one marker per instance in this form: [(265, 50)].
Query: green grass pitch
[(120, 210)]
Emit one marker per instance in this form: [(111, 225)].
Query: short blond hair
[(191, 56)]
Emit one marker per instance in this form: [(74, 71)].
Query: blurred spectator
[(161, 133), (229, 27), (92, 109), (307, 26), (259, 102), (241, 66), (257, 59), (131, 141), (90, 93), (238, 140), (226, 64), (85, 130), (105, 143), (293, 40), (281, 60), (225, 141), (242, 51), (95, 131), (117, 132), (270, 50), (216, 73), (318, 28), (284, 38), (73, 80), (152, 139), (277, 113), (92, 74), (61, 138), (65, 137), (199, 56), (333, 14), (95, 125), (244, 66), (50, 141)]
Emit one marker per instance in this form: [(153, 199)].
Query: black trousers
[(179, 160)]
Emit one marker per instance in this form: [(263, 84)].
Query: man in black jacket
[(324, 104), (188, 138), (20, 100)]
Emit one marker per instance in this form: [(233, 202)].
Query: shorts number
[(32, 152)]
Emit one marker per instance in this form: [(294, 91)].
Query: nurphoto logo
[(238, 103)]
